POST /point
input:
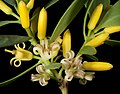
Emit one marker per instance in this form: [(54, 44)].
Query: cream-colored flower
[(47, 51), (42, 76)]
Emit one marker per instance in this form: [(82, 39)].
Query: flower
[(95, 17), (73, 67), (42, 76), (42, 24), (5, 8), (47, 51), (24, 14), (20, 55)]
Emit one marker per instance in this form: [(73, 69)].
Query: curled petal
[(38, 50), (66, 64), (35, 77), (68, 76), (17, 65), (43, 82), (79, 74), (70, 54), (89, 77), (40, 69)]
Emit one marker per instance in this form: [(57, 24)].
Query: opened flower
[(73, 67), (20, 55), (47, 51), (42, 76)]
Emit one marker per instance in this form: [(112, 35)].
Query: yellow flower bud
[(112, 29), (30, 4), (66, 44), (42, 24), (98, 40), (97, 66), (24, 14), (5, 8), (95, 17)]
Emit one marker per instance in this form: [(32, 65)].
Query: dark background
[(104, 82)]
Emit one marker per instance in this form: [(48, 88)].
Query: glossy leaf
[(50, 3), (111, 18), (11, 2), (112, 42), (67, 18), (53, 66), (2, 23), (89, 50), (9, 40)]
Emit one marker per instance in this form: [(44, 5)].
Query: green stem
[(24, 72), (85, 18), (64, 87), (16, 16), (33, 41)]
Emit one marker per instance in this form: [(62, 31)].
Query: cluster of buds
[(104, 35)]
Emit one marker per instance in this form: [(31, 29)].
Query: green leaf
[(111, 18), (67, 18), (95, 3), (112, 42), (89, 50), (2, 23), (9, 40), (92, 57), (4, 83), (11, 2), (50, 3), (53, 66)]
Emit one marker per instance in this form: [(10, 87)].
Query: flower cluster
[(56, 59)]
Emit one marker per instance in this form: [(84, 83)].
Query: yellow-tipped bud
[(97, 66), (98, 40), (66, 44), (24, 14), (112, 29), (30, 4), (42, 24), (5, 8), (95, 17)]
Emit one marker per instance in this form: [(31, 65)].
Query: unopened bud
[(42, 24), (66, 44), (95, 17), (24, 14), (97, 66)]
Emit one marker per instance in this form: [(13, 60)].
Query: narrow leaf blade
[(11, 2), (50, 3), (67, 18), (9, 40)]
